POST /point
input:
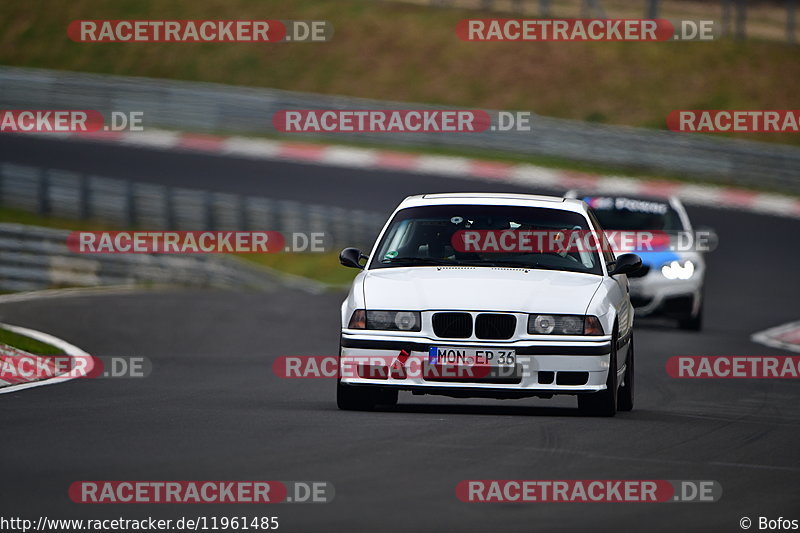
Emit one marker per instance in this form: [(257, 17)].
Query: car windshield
[(424, 236), (632, 214)]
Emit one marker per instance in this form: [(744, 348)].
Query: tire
[(625, 395), (692, 323), (350, 398), (603, 403), (386, 397)]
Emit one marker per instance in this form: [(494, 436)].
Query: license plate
[(447, 355)]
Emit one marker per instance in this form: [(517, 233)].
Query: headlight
[(386, 320), (564, 325), (676, 270)]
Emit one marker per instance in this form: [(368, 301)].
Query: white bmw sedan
[(475, 295)]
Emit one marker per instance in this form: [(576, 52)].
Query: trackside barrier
[(207, 107)]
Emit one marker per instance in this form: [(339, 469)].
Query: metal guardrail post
[(242, 220), (741, 19), (130, 201), (84, 198), (592, 9), (208, 207), (726, 16), (43, 192), (172, 222), (652, 9), (544, 8)]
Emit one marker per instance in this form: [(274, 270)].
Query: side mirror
[(626, 264), (705, 239), (351, 257)]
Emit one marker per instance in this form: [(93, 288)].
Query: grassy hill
[(411, 53)]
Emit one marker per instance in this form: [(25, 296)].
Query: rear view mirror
[(351, 257), (626, 264)]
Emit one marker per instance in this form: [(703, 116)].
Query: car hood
[(479, 289)]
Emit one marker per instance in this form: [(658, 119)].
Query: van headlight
[(386, 320), (678, 270), (564, 325)]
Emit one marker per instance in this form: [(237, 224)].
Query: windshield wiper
[(417, 260), (520, 264), (510, 264)]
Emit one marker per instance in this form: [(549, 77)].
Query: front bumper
[(655, 295), (542, 368)]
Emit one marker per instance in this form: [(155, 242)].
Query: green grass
[(18, 216), (27, 344), (411, 53), (323, 267)]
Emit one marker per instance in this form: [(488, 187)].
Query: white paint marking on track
[(785, 205), (64, 293), (769, 337), (70, 349)]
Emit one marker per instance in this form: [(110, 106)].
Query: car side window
[(608, 253)]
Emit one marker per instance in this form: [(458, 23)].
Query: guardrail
[(192, 106), (219, 108), (34, 258), (133, 204)]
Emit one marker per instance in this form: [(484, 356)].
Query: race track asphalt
[(213, 409)]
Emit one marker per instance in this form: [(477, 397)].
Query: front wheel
[(350, 398), (625, 398), (692, 323), (363, 397), (603, 403)]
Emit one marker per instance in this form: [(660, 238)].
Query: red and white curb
[(10, 356), (455, 167), (785, 337)]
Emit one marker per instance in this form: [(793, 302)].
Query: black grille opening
[(495, 326), (452, 325), (467, 374), (546, 377), (572, 378)]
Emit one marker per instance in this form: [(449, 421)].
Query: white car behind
[(670, 282)]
